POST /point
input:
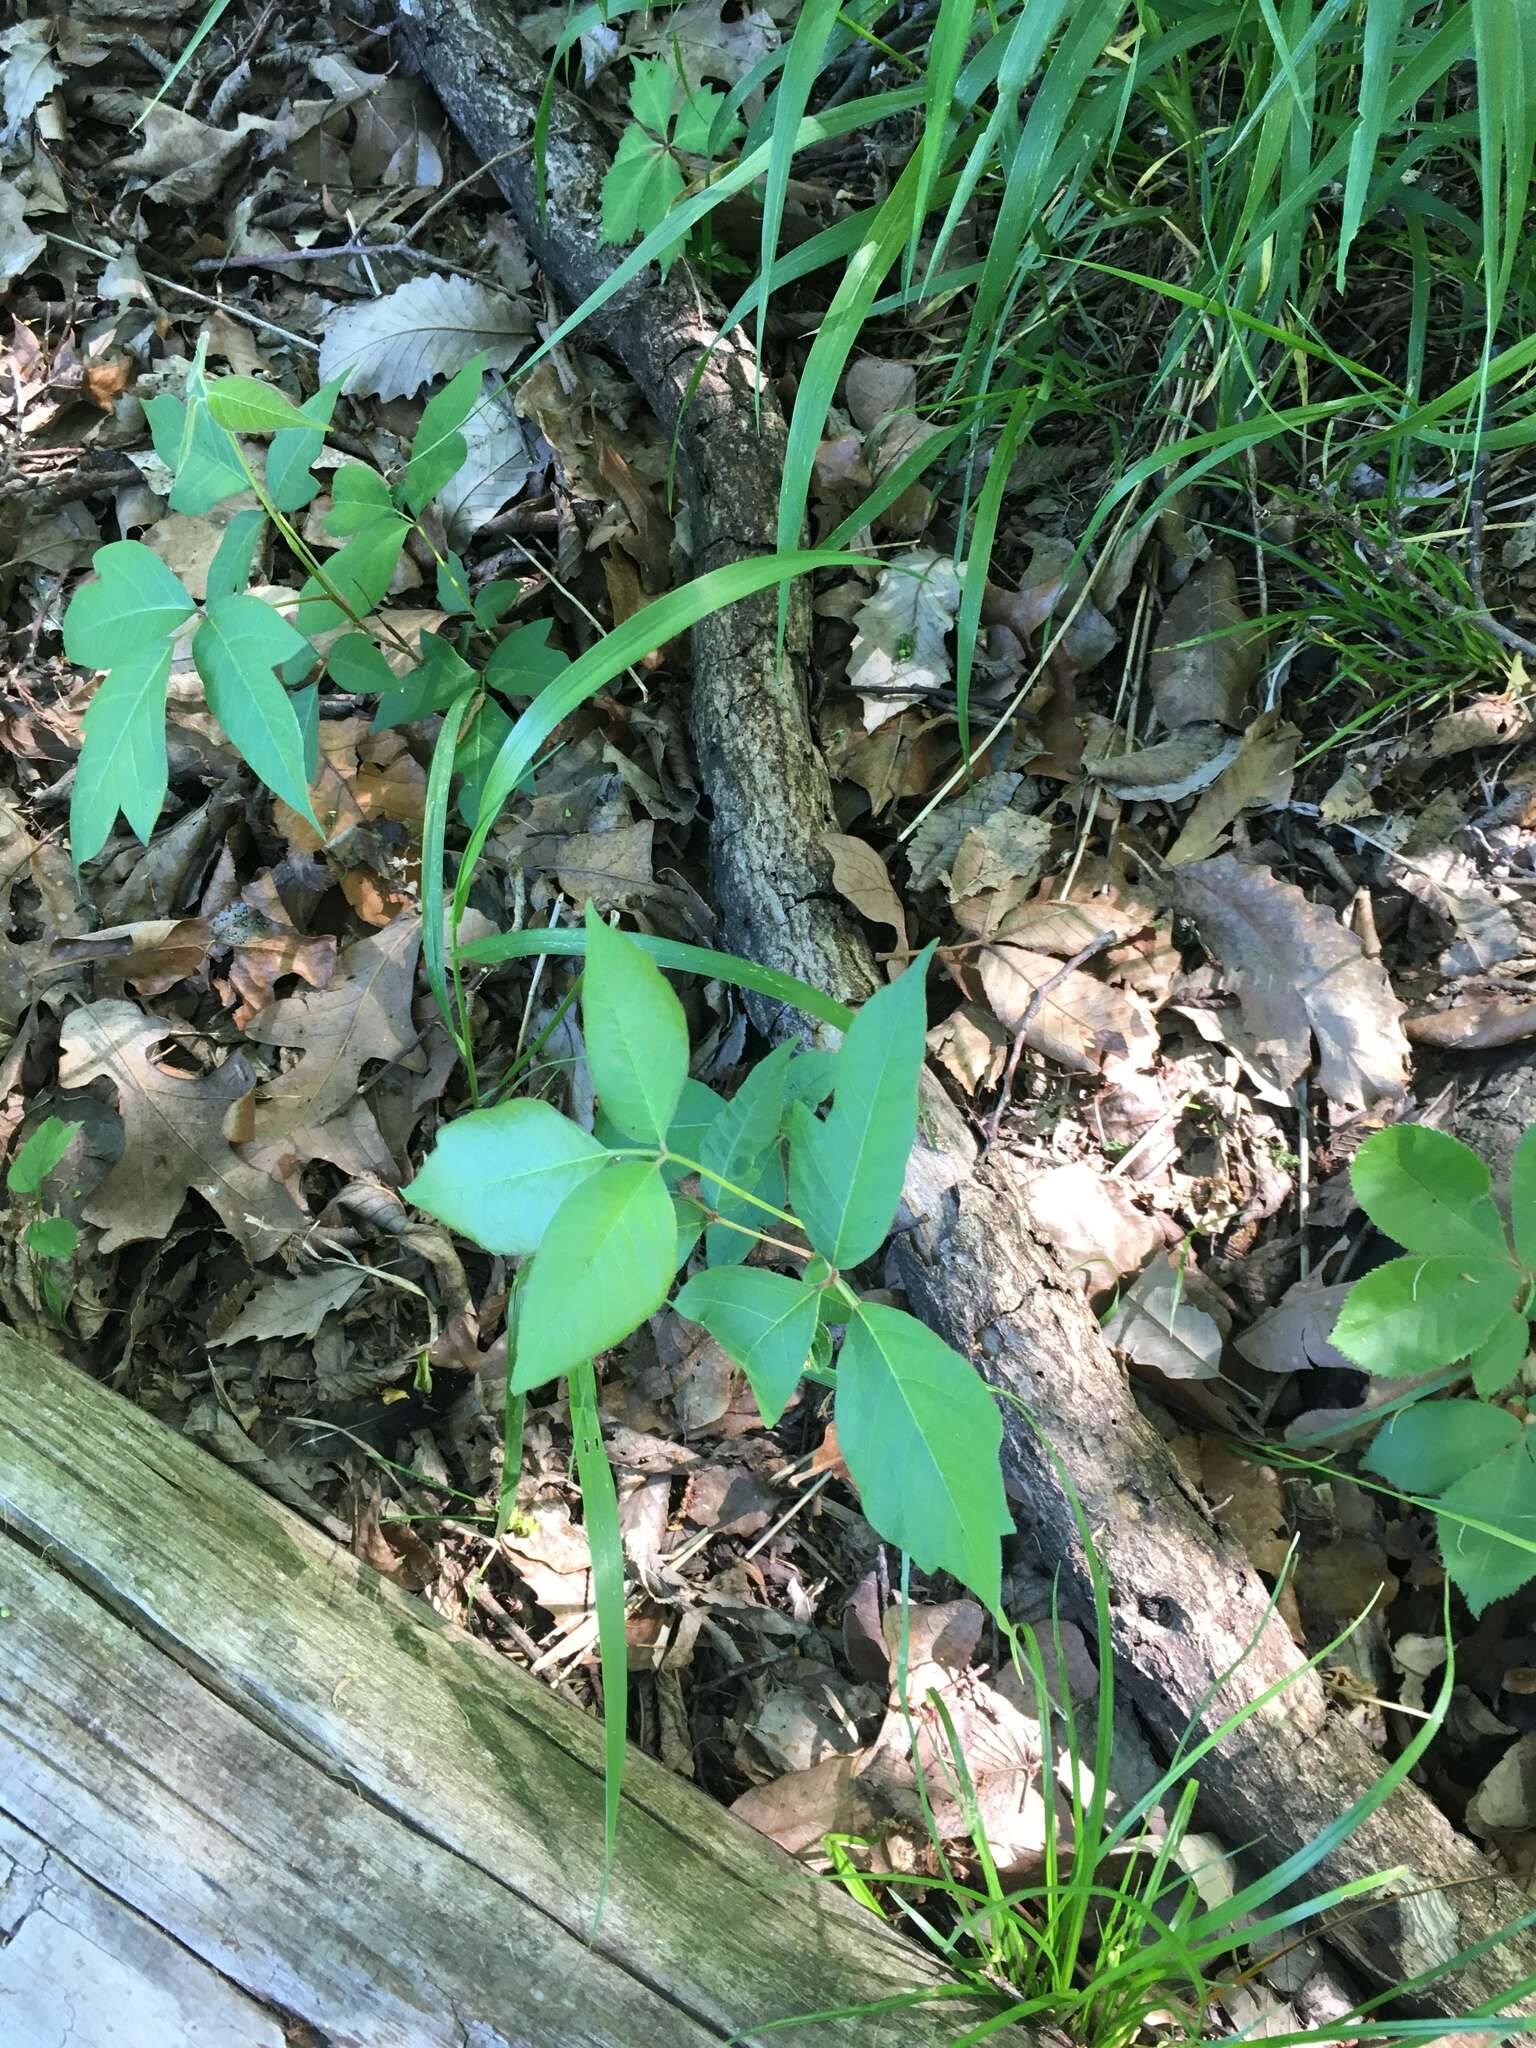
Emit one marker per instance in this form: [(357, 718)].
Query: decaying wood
[(1187, 1605), (225, 1742)]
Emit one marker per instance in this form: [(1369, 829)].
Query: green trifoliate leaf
[(606, 1263), (291, 458), (132, 608), (637, 1035), (845, 1175), (230, 570), (740, 1145), (51, 1237), (122, 765), (39, 1155), (697, 1108), (525, 663), (921, 1436), (1429, 1447), (439, 449), (355, 664), (1412, 1315), (640, 186), (359, 573), (1501, 1496), (238, 649), (1522, 1199), (498, 1175), (203, 456), (1499, 1357), (765, 1321), (247, 406), (694, 128), (1427, 1191)]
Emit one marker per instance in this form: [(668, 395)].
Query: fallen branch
[(1186, 1603)]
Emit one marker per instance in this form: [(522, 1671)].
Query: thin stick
[(169, 284), (1037, 997)]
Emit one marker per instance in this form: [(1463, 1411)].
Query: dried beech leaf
[(1193, 677), (427, 329), (1082, 1023), (932, 846), (1298, 975), (859, 877)]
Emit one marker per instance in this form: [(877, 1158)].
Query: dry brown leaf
[(797, 1810), (859, 877), (1506, 1799), (1483, 722), (153, 954), (173, 1135), (1170, 769), (1259, 779), (972, 1046), (614, 868), (1081, 1022), (1294, 1334), (1475, 1027), (1100, 1233), (872, 389), (294, 1306), (1298, 975), (1157, 1325), (364, 1015), (1211, 680)]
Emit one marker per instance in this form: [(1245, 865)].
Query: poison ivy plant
[(598, 1219), (1459, 1297), (264, 656)]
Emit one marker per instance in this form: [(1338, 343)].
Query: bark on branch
[(1186, 1602)]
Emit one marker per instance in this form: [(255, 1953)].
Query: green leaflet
[(355, 664), (637, 1036), (1428, 1447), (238, 648), (1427, 1191), (1414, 1314), (1501, 1496), (39, 1155), (359, 573), (230, 570), (524, 663), (247, 406), (845, 1174), (203, 456), (765, 1321), (442, 677), (1500, 1355), (741, 1146), (476, 756), (606, 1263), (122, 765), (133, 607), (498, 1175), (359, 498), (1522, 1199), (439, 449), (51, 1237), (921, 1435), (291, 482)]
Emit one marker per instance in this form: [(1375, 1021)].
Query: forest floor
[(1243, 872)]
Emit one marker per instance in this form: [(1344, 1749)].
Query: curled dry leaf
[(293, 1307), (1191, 760), (1294, 1333), (1080, 1022), (1095, 1225), (1479, 1026), (873, 388), (1298, 975), (1484, 722), (1258, 779), (900, 633), (1204, 665), (428, 328), (173, 1135), (934, 844)]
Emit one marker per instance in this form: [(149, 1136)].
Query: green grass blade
[(801, 70), (1383, 28), (434, 835)]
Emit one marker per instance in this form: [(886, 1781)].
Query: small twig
[(447, 198), (273, 259), (1038, 995), (169, 284), (1389, 560)]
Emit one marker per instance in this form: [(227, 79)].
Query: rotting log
[(248, 1783), (1186, 1603)]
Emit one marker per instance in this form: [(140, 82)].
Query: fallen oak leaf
[(173, 1135), (1080, 1022)]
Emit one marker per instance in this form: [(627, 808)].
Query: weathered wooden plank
[(353, 1812)]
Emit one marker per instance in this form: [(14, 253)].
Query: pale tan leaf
[(1203, 667), (1259, 778), (1081, 1022), (1172, 768), (900, 632), (293, 1307), (860, 878), (1157, 1325)]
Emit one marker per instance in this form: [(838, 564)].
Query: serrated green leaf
[(1500, 1355), (846, 1174), (738, 1147), (1429, 1447), (525, 663), (640, 186), (653, 90), (606, 1263), (359, 573), (247, 406), (637, 1035), (1502, 1495), (52, 1237), (238, 649), (1522, 1199), (204, 459), (122, 764), (922, 1437), (693, 129), (439, 449), (498, 1175), (291, 482), (1414, 1314), (442, 677), (360, 498), (230, 570), (765, 1321), (133, 607), (355, 664), (39, 1155), (1427, 1191)]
